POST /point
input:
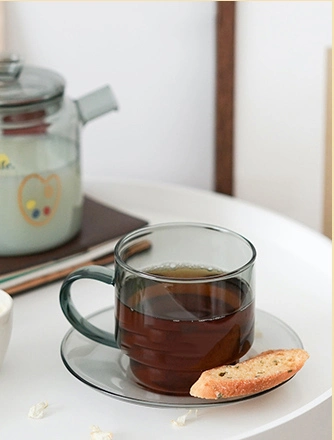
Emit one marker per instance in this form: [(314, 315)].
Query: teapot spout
[(96, 104)]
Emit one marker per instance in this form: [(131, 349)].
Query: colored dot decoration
[(30, 204), (46, 210), (38, 197), (36, 212)]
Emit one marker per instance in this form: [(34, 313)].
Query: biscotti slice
[(252, 376)]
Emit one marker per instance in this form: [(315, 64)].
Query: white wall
[(159, 57), (159, 60), (280, 105)]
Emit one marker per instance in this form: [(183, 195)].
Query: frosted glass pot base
[(41, 194)]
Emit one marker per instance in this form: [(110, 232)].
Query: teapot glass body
[(41, 198)]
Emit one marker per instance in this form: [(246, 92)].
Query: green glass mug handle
[(80, 323)]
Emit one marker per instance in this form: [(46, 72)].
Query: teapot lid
[(25, 85)]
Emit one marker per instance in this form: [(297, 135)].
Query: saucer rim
[(195, 403)]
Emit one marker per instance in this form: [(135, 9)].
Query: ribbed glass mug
[(184, 302)]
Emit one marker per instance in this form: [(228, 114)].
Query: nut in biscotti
[(252, 376)]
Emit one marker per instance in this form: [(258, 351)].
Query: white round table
[(293, 282)]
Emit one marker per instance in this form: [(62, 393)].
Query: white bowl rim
[(6, 301)]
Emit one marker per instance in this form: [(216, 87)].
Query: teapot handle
[(96, 103)]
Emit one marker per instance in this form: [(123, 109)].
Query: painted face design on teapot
[(38, 198)]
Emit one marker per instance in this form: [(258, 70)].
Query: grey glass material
[(170, 244), (107, 369), (183, 305)]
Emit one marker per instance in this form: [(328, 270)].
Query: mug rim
[(159, 278)]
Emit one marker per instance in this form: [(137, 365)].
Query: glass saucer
[(107, 369)]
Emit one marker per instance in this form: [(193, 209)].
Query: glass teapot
[(40, 178)]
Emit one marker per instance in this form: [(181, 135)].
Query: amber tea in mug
[(184, 305)]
